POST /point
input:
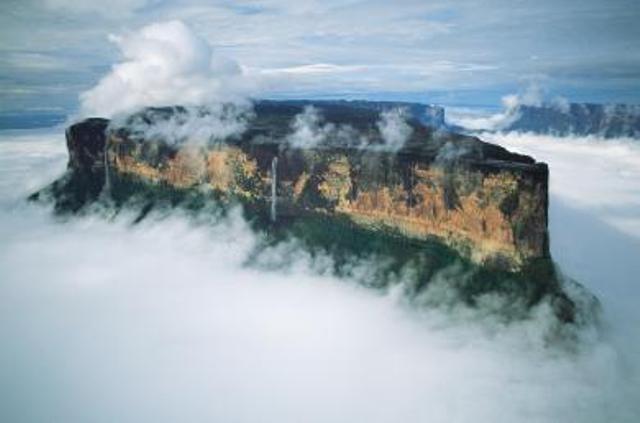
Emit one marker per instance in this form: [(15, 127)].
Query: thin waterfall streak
[(107, 176), (274, 184)]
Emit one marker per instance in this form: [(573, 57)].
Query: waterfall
[(106, 190), (274, 184)]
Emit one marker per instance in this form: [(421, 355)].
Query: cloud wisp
[(193, 125), (394, 128), (389, 132)]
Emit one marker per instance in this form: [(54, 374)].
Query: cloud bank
[(164, 64)]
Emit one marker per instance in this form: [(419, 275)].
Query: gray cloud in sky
[(53, 49)]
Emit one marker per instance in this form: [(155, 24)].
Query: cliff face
[(486, 203)]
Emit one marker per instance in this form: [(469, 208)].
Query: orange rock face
[(486, 212)]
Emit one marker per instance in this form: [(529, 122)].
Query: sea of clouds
[(103, 320)]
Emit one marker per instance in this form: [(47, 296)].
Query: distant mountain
[(31, 120), (608, 121)]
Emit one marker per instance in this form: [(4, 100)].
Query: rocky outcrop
[(486, 203), (608, 121)]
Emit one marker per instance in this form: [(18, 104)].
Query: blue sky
[(462, 52)]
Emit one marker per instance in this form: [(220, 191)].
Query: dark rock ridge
[(440, 197), (427, 114), (608, 121)]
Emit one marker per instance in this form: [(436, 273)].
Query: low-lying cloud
[(309, 129), (532, 95), (193, 125), (163, 321), (394, 128)]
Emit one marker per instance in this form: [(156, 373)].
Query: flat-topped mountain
[(479, 198), (349, 187), (608, 121)]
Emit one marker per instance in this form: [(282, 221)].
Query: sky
[(454, 53)]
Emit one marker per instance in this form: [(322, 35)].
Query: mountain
[(440, 198), (608, 121)]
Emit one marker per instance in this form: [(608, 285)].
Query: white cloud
[(477, 119), (165, 64), (532, 95), (192, 125), (309, 129), (313, 69), (394, 129)]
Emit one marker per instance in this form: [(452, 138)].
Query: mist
[(532, 94), (188, 125), (103, 320), (394, 128)]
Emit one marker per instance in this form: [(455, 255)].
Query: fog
[(105, 321), (188, 125)]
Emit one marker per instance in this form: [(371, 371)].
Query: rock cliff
[(439, 205), (488, 204)]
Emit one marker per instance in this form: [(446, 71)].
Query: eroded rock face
[(488, 204)]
